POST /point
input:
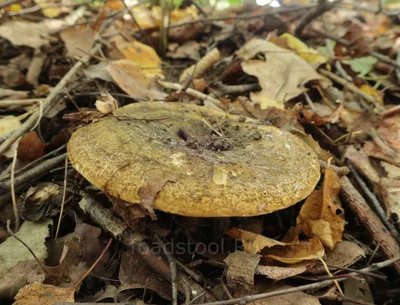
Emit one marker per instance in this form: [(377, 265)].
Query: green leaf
[(177, 3), (362, 65), (234, 2)]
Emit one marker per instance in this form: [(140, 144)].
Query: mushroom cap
[(190, 160)]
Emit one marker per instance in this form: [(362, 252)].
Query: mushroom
[(193, 161)]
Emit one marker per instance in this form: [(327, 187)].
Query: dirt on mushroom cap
[(189, 160)]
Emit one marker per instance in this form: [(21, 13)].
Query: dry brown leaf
[(42, 294), (30, 147), (361, 161), (278, 273), (321, 215), (391, 170), (281, 76), (241, 267), (129, 76), (389, 129), (25, 33), (390, 192), (98, 71), (188, 50), (253, 243), (141, 54), (289, 253), (134, 274), (107, 104), (78, 40)]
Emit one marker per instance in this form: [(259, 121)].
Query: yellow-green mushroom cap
[(192, 161)]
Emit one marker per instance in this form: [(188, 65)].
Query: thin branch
[(14, 199), (255, 297), (63, 197), (26, 246)]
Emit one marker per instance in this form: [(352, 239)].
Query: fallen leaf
[(135, 274), (321, 215), (322, 115), (289, 253), (129, 76), (281, 75), (9, 124), (42, 294), (361, 161), (141, 54), (390, 192), (12, 251), (30, 148), (359, 45), (98, 71), (358, 290), (278, 273), (373, 92), (78, 40), (311, 55), (362, 65), (25, 33), (392, 171), (188, 50), (389, 129), (107, 104), (253, 243), (240, 269)]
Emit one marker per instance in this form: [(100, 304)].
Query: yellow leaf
[(37, 293), (298, 252), (289, 253), (141, 54), (16, 7), (252, 242), (321, 215), (309, 54), (373, 92), (8, 124)]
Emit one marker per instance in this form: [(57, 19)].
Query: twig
[(110, 223), (255, 297), (172, 268), (30, 122), (94, 265), (36, 172), (378, 276), (63, 197), (190, 91), (352, 87), (372, 223), (190, 272), (26, 246), (322, 7), (26, 102), (309, 102), (378, 246), (223, 89), (244, 17), (340, 170), (12, 182), (226, 290), (375, 202)]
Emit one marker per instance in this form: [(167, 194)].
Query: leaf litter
[(330, 79)]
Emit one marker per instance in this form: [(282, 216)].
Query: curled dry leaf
[(107, 104), (321, 215), (37, 293), (241, 267), (129, 76), (281, 75), (141, 54), (323, 114), (278, 273), (30, 147), (289, 253)]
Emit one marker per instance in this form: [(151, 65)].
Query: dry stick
[(378, 276), (26, 102), (26, 246), (190, 91), (322, 7), (243, 17), (352, 87), (30, 122), (373, 224), (172, 268), (375, 202), (346, 43), (255, 297), (223, 89), (113, 225), (63, 197), (36, 172), (14, 199)]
